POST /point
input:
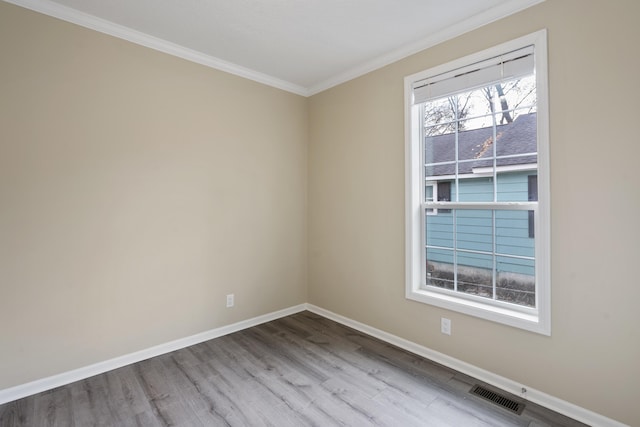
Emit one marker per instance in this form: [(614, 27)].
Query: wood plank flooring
[(301, 370)]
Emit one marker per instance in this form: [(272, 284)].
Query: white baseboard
[(558, 405), (44, 384), (533, 395)]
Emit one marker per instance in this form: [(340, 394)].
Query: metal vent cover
[(497, 399)]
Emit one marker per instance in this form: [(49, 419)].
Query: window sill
[(532, 321)]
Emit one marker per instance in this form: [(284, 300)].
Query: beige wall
[(136, 191), (356, 209)]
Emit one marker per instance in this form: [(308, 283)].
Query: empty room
[(291, 213)]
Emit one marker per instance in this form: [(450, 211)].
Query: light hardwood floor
[(301, 370)]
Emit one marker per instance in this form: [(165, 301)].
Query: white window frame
[(536, 319)]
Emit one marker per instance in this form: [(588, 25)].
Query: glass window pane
[(474, 239), (475, 190), (516, 281), (474, 111), (439, 115), (515, 94), (439, 154), (439, 230), (512, 234), (439, 238), (517, 141), (475, 274), (440, 268), (474, 230), (513, 187)]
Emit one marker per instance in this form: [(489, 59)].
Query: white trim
[(485, 172), (511, 206), (48, 383), (536, 396), (496, 311), (415, 251), (434, 196), (475, 22), (74, 16), (550, 402), (92, 22), (488, 171)]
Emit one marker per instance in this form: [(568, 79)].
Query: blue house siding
[(474, 227), (475, 190)]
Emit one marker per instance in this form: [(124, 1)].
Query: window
[(437, 191), (444, 194), (477, 185), (532, 192), (431, 195)]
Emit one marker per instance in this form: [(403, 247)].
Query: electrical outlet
[(445, 326), (230, 300)]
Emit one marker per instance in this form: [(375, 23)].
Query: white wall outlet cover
[(445, 325)]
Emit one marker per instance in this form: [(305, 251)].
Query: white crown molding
[(470, 24), (74, 16), (533, 395), (86, 20), (48, 383)]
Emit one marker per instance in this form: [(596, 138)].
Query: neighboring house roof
[(517, 137)]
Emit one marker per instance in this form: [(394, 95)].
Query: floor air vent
[(498, 399)]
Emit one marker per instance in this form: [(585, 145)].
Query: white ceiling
[(304, 46)]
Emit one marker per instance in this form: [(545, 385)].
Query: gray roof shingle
[(517, 137)]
